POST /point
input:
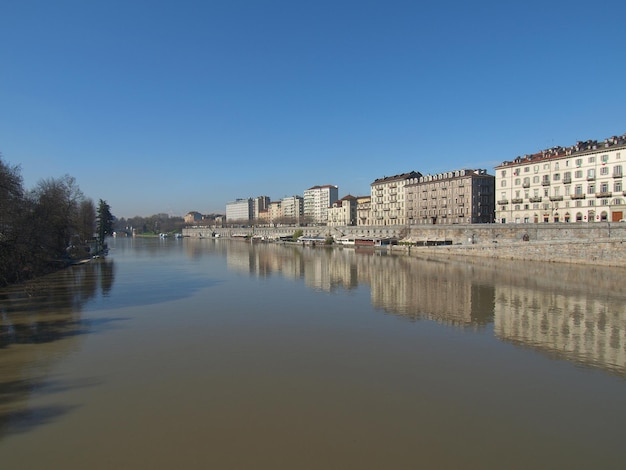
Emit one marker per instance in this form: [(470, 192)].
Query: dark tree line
[(154, 224), (44, 228)]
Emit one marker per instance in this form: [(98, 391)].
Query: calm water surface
[(218, 354)]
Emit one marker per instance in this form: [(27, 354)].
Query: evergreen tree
[(104, 221)]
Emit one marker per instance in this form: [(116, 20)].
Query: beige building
[(388, 198), (364, 210), (343, 212), (275, 212), (453, 197), (582, 183)]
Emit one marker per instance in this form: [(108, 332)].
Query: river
[(223, 354)]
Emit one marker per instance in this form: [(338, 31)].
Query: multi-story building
[(275, 212), (192, 217), (453, 197), (293, 209), (581, 183), (259, 205), (387, 203), (343, 212), (363, 210), (317, 200), (239, 210)]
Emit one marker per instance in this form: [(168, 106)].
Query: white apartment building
[(317, 200), (388, 201), (581, 183), (342, 212), (239, 210)]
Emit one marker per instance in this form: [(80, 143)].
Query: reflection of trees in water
[(34, 319)]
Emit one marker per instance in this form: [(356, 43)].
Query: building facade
[(260, 204), (343, 212), (363, 210), (239, 210), (453, 197), (317, 200), (388, 199), (275, 212), (581, 183), (292, 209)]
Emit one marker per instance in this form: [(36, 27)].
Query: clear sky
[(174, 106)]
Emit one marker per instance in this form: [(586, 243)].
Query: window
[(536, 169), (503, 173), (545, 192), (557, 191), (591, 173), (526, 169), (579, 161), (567, 176), (556, 176), (605, 158), (604, 170), (527, 181), (617, 186), (578, 174), (604, 187), (517, 181), (591, 188), (617, 170), (592, 202), (503, 183), (592, 159), (578, 189), (535, 179)]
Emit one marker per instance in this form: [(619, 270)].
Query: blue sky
[(161, 106)]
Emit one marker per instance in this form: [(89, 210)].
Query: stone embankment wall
[(598, 243), (595, 252)]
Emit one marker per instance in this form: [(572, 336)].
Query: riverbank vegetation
[(47, 227)]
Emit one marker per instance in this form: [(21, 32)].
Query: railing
[(536, 199), (578, 196), (556, 198), (604, 194), (503, 201), (517, 200)]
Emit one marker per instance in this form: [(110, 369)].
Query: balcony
[(536, 199), (617, 175), (591, 177), (567, 180), (517, 200), (604, 194), (578, 196), (526, 185), (545, 183), (556, 198), (502, 202)]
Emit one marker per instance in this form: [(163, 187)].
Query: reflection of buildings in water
[(579, 327), (451, 293)]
